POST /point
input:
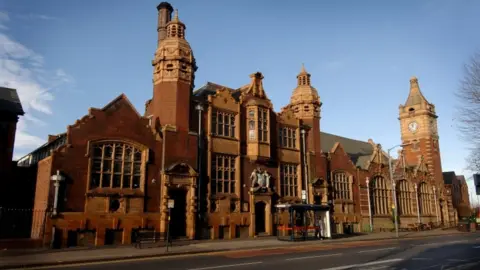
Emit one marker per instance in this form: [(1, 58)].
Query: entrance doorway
[(260, 217), (178, 218)]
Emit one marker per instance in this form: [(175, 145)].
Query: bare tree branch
[(468, 96)]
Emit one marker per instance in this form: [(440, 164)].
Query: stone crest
[(260, 180)]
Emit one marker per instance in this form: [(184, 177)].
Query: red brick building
[(227, 158)]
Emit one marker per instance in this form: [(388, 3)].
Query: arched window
[(404, 197), (342, 186), (116, 165), (380, 196), (425, 199)]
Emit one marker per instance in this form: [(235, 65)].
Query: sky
[(66, 56)]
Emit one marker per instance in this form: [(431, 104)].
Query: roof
[(448, 177), (10, 102), (360, 152), (211, 88)]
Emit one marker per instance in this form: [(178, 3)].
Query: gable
[(222, 99), (119, 102)]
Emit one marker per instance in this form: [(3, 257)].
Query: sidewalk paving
[(58, 257)]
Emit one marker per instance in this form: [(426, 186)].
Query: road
[(447, 252)]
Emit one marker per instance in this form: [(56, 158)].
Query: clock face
[(413, 126)]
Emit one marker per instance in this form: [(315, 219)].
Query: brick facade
[(109, 192)]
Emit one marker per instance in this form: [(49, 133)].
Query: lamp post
[(369, 206), (418, 204), (390, 169), (305, 190), (436, 206), (57, 178), (199, 108)]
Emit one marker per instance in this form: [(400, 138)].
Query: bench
[(146, 237)]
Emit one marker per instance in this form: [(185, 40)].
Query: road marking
[(456, 260), (373, 250), (421, 259), (225, 266), (362, 265), (312, 257), (440, 243)]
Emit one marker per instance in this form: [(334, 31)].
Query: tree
[(469, 110)]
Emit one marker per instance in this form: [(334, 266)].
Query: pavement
[(261, 253)]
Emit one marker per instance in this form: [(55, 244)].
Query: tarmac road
[(453, 252)]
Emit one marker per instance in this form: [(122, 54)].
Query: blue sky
[(67, 56)]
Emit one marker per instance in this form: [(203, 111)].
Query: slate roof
[(448, 177), (10, 102), (360, 152)]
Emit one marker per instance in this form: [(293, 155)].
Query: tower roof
[(415, 97), (304, 92), (176, 28)]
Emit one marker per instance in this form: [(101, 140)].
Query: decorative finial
[(175, 17), (414, 83), (303, 70)]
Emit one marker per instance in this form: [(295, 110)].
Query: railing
[(22, 223)]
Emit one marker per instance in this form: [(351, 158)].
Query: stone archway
[(179, 183)]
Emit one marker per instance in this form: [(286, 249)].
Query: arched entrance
[(179, 180), (260, 217)]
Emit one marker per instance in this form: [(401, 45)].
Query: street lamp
[(418, 204), (57, 178), (395, 210), (305, 169), (199, 108), (369, 206)]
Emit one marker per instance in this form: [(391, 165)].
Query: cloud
[(23, 69)]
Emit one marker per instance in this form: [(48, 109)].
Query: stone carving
[(260, 180)]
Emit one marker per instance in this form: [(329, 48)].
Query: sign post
[(170, 205)]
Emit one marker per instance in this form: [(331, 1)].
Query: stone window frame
[(144, 155), (217, 125), (380, 193), (405, 197), (425, 198), (287, 137), (342, 187), (231, 176), (263, 115), (290, 180)]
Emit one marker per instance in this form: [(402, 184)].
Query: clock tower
[(418, 125)]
